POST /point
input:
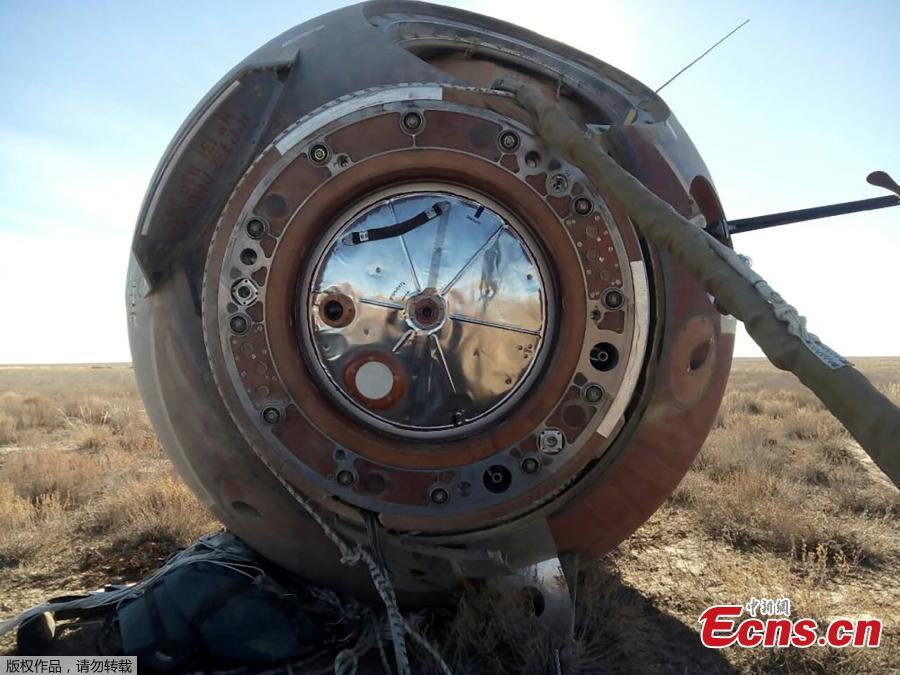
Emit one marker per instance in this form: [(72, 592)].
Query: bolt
[(239, 324), (509, 141), (271, 416), (412, 121), (256, 228), (592, 393), (530, 465), (558, 183), (551, 441), (440, 496), (319, 153), (583, 206), (613, 298), (345, 478), (249, 256)]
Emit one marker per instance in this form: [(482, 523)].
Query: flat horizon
[(130, 363)]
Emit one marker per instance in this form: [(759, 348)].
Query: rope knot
[(352, 557)]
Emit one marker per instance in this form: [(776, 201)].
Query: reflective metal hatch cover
[(428, 311)]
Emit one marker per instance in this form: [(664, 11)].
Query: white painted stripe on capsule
[(393, 95), (638, 348)]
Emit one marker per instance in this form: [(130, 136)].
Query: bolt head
[(345, 478), (557, 184), (592, 393), (249, 256), (256, 228), (271, 416), (319, 153), (239, 324), (613, 298), (440, 496), (530, 465), (583, 206), (509, 141), (412, 121)]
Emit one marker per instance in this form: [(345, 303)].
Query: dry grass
[(785, 455), (777, 504), (86, 494)]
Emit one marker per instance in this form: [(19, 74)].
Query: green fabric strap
[(868, 415)]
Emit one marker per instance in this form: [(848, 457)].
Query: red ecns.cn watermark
[(721, 626)]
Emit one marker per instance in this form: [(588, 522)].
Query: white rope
[(397, 624), (385, 663), (345, 663)]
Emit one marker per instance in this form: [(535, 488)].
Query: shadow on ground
[(618, 630)]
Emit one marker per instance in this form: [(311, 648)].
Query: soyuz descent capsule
[(359, 278)]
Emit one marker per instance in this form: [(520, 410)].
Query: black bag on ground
[(208, 611)]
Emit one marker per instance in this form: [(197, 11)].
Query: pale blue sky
[(792, 111)]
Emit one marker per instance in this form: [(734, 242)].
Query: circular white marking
[(374, 380)]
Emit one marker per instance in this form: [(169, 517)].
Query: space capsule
[(360, 282)]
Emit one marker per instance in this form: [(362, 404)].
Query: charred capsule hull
[(360, 278)]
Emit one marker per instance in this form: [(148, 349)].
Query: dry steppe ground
[(779, 503)]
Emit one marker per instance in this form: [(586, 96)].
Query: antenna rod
[(669, 81), (877, 178), (801, 215)]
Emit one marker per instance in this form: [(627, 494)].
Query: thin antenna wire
[(669, 81)]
